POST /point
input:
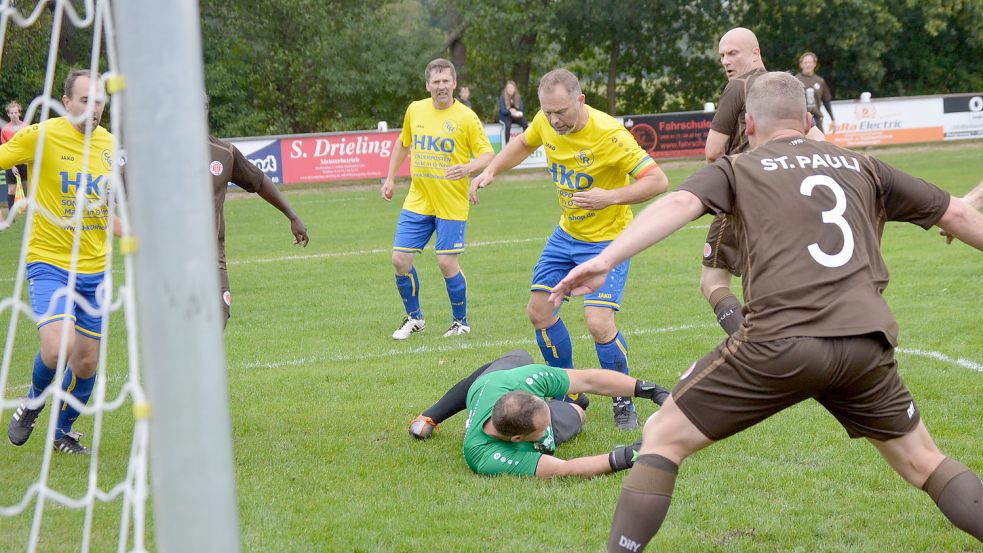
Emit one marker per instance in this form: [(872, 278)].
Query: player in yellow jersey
[(73, 175), (444, 135), (591, 157)]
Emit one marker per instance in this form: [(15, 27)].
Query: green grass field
[(321, 394)]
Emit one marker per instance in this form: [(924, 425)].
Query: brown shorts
[(721, 250), (740, 384)]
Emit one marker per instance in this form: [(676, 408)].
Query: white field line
[(449, 346), (461, 346), (373, 251), (388, 250), (961, 361)]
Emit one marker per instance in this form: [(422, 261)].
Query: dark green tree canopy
[(294, 66)]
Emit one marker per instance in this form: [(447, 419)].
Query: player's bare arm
[(399, 156), (975, 197), (716, 145), (585, 467), (650, 185), (510, 156), (269, 192), (963, 221), (455, 172), (667, 215), (605, 382)]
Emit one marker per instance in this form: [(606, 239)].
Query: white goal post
[(169, 189)]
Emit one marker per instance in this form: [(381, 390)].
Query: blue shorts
[(564, 252), (47, 286), (413, 231)]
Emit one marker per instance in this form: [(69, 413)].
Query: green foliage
[(24, 59), (885, 47), (638, 56), (308, 66), (293, 66)]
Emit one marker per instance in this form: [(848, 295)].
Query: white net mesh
[(41, 489)]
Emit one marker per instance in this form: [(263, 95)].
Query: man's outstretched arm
[(513, 154), (269, 192), (620, 458), (604, 382)]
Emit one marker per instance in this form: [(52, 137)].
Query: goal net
[(141, 414)]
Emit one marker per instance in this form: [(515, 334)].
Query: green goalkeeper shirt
[(488, 455)]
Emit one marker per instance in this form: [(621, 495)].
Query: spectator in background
[(15, 124), (817, 91), (464, 96), (510, 109)]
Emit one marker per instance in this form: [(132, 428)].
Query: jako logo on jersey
[(585, 158), (433, 143), (215, 167), (91, 186), (570, 178)]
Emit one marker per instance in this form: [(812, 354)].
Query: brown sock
[(644, 502), (958, 492), (728, 310)]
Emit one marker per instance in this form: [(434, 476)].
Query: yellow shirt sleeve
[(534, 134), (406, 134), (631, 158), (20, 148), (477, 139)]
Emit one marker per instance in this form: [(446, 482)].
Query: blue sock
[(457, 291), (409, 290), (81, 388), (614, 354), (556, 346), (42, 376)]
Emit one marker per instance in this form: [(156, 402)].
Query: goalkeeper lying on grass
[(514, 425)]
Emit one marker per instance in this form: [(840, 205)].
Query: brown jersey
[(229, 165), (808, 218), (729, 118), (817, 93)]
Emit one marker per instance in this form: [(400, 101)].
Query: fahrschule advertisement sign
[(671, 134)]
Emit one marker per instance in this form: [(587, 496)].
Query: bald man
[(822, 328), (740, 56)]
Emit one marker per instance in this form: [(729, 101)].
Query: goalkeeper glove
[(652, 391), (623, 457)]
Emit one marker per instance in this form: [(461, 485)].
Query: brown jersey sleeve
[(825, 94), (729, 108), (910, 199), (713, 185), (244, 174)]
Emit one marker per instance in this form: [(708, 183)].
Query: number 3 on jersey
[(833, 217)]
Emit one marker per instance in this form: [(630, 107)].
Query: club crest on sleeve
[(216, 168), (227, 296), (707, 250)]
